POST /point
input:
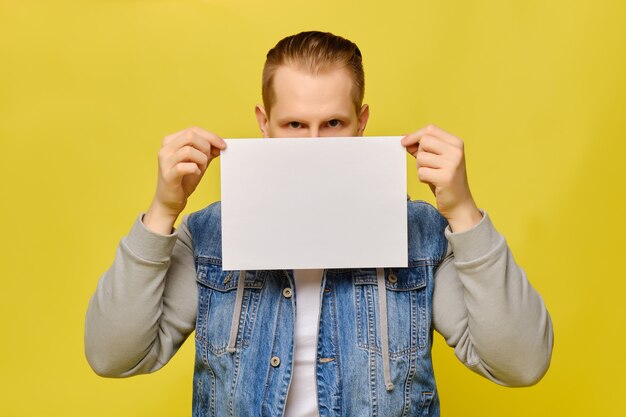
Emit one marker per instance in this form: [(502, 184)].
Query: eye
[(334, 123), (295, 125)]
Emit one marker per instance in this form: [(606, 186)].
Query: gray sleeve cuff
[(150, 245), (474, 243)]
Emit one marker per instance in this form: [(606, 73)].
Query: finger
[(411, 139), (436, 176), (433, 145), (425, 175), (172, 136), (431, 130), (214, 139), (189, 138), (428, 175), (215, 143), (427, 159), (411, 142), (436, 131), (208, 145), (425, 142), (415, 136), (181, 169), (197, 136), (189, 154), (412, 149)]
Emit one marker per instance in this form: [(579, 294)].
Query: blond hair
[(314, 52)]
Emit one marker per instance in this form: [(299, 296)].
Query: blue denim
[(254, 379)]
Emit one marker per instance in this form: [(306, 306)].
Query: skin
[(309, 105)]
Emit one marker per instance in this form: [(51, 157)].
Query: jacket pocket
[(408, 308), (217, 290), (427, 398)]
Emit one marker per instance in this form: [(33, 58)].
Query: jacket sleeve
[(144, 306), (487, 310)]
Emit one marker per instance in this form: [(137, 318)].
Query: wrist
[(464, 218), (159, 220)]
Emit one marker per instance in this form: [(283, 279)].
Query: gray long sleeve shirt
[(145, 305)]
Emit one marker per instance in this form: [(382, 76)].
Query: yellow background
[(88, 89)]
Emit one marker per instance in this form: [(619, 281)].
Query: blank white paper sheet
[(300, 203)]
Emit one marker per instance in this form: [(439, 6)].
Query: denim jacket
[(374, 339)]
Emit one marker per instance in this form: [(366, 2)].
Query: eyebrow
[(288, 119)]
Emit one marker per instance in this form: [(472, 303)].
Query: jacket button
[(287, 292), (275, 361), (393, 278)]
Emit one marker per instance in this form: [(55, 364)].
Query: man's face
[(308, 105)]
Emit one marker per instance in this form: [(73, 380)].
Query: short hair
[(314, 52)]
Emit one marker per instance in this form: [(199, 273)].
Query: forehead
[(298, 93)]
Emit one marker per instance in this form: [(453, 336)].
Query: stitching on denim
[(427, 397), (359, 321), (371, 316), (335, 333), (201, 315), (268, 376), (200, 390), (213, 388), (221, 348), (414, 314), (408, 384), (422, 320), (250, 305), (373, 396), (371, 340), (208, 260), (404, 284), (418, 323), (202, 343), (200, 407), (215, 279), (289, 360), (244, 318), (256, 299), (233, 386)]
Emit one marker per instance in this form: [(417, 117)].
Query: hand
[(440, 162), (183, 160)]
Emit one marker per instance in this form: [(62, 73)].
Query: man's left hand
[(440, 162)]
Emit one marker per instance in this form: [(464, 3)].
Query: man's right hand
[(183, 160)]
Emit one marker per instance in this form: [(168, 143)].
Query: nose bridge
[(314, 131)]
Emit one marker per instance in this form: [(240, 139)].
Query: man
[(357, 341)]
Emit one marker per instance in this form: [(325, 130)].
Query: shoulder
[(425, 214), (208, 216), (426, 227), (205, 228), (212, 210)]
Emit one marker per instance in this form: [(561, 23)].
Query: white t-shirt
[(302, 396)]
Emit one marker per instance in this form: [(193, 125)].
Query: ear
[(364, 115), (262, 120)]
